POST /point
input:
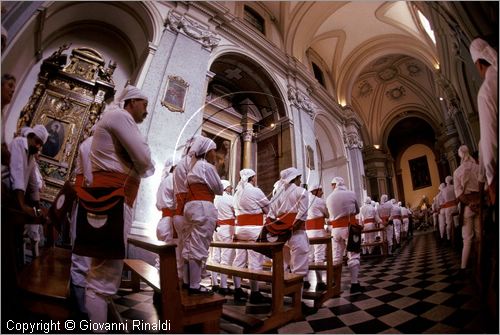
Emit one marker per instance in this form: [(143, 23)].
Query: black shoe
[(225, 291), (306, 284), (460, 275), (202, 290), (355, 288), (185, 286), (240, 295), (215, 288), (306, 310), (320, 287), (258, 298)]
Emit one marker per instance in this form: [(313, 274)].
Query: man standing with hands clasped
[(343, 207)]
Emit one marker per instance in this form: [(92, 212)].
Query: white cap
[(383, 198), (442, 186), (132, 92), (393, 201), (41, 132), (480, 49), (463, 151), (315, 187), (225, 184), (246, 174), (287, 175), (202, 145), (448, 180), (338, 180), (368, 200), (25, 131)]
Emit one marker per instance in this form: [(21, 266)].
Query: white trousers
[(442, 223), (369, 237), (390, 235), (340, 236), (201, 217), (180, 227), (223, 256), (404, 227), (470, 230), (397, 230), (165, 233), (247, 258), (299, 252)]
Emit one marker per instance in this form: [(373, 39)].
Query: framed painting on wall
[(175, 94), (419, 169)]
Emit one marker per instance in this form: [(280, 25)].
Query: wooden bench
[(42, 286), (333, 274), (282, 284), (177, 306), (383, 240)]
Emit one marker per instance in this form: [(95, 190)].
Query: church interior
[(382, 94)]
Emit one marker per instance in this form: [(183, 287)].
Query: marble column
[(247, 136), (354, 145)]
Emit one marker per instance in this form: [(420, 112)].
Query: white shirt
[(384, 209), (180, 174), (466, 180), (250, 200), (205, 173), (367, 211), (165, 194), (119, 146), (317, 207), (487, 105), (22, 168), (395, 210), (341, 203), (448, 193), (83, 163), (225, 206), (293, 199)]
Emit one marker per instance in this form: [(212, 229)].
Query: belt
[(316, 223), (167, 212), (228, 222), (200, 192), (117, 179), (450, 203), (396, 217), (405, 216), (180, 199), (250, 219), (370, 220), (344, 221)]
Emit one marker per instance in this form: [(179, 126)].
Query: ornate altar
[(67, 99)]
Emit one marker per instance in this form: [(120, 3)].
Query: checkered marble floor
[(411, 292)]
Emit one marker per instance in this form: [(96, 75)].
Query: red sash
[(370, 220), (316, 223), (344, 221), (282, 224), (200, 192), (180, 199), (449, 204), (167, 212), (228, 222), (117, 179), (396, 217), (250, 220), (405, 217)]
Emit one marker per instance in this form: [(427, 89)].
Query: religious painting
[(175, 94), (222, 153), (59, 132), (310, 157), (420, 175)]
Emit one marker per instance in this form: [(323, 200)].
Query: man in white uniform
[(180, 193), (405, 218), (80, 265), (384, 212), (250, 205), (315, 227), (441, 215), (120, 156), (368, 217), (290, 205), (396, 219), (449, 206), (343, 207), (199, 211), (223, 233), (486, 60), (466, 181)]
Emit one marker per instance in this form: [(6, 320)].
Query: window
[(318, 74), (427, 26), (254, 19)]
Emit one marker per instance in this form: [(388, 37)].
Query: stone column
[(182, 54), (354, 145), (247, 138)]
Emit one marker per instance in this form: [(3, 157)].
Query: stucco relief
[(191, 28), (351, 137), (301, 101), (365, 89), (396, 93)]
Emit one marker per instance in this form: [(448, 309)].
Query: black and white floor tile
[(412, 292)]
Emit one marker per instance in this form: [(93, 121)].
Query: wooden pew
[(43, 284), (281, 284), (383, 240), (333, 274), (177, 306)]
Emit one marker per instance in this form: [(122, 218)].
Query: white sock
[(97, 308), (194, 274), (185, 273), (237, 282), (223, 280)]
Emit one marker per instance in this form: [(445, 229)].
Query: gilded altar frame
[(175, 94)]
